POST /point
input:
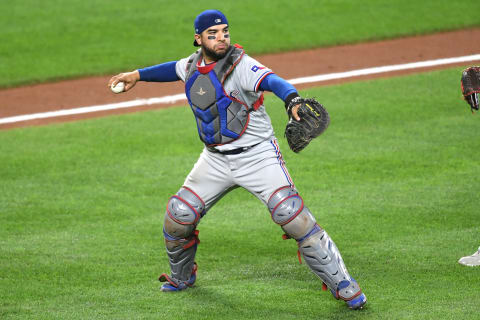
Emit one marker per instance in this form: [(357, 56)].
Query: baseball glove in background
[(314, 120), (471, 86)]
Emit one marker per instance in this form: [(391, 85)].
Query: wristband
[(291, 100)]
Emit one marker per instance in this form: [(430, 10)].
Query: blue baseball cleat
[(357, 302)]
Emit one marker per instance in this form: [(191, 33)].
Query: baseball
[(118, 88)]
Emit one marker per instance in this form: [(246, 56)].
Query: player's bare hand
[(295, 112), (129, 78)]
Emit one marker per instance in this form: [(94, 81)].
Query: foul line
[(181, 97)]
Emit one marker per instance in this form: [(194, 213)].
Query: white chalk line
[(180, 97)]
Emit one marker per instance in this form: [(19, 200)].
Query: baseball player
[(224, 87), (470, 85)]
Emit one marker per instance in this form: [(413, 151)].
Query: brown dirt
[(93, 91)]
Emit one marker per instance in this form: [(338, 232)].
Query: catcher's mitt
[(314, 120), (471, 86)]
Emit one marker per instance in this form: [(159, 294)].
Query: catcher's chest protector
[(220, 118)]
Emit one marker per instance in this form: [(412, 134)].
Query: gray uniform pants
[(261, 170)]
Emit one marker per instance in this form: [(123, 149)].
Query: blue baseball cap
[(206, 19)]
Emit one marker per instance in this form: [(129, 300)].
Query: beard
[(212, 54)]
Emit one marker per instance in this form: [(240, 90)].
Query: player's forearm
[(280, 87), (164, 72)]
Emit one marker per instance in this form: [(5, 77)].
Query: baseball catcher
[(314, 120), (471, 86), (224, 87)]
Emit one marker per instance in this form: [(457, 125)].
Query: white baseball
[(118, 88)]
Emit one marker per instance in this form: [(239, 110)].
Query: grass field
[(394, 181), (51, 40)]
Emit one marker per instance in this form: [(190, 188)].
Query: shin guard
[(322, 256), (181, 256)]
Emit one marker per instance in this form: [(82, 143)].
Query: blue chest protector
[(220, 119)]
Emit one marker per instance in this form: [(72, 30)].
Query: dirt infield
[(94, 91)]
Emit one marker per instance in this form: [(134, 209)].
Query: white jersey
[(243, 84)]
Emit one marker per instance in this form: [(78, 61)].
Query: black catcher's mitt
[(314, 120), (471, 86)]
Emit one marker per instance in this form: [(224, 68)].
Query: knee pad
[(287, 209), (184, 211)]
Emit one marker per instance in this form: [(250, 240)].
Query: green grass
[(394, 181), (51, 40)]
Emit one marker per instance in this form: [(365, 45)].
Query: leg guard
[(184, 211), (324, 259), (319, 251)]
